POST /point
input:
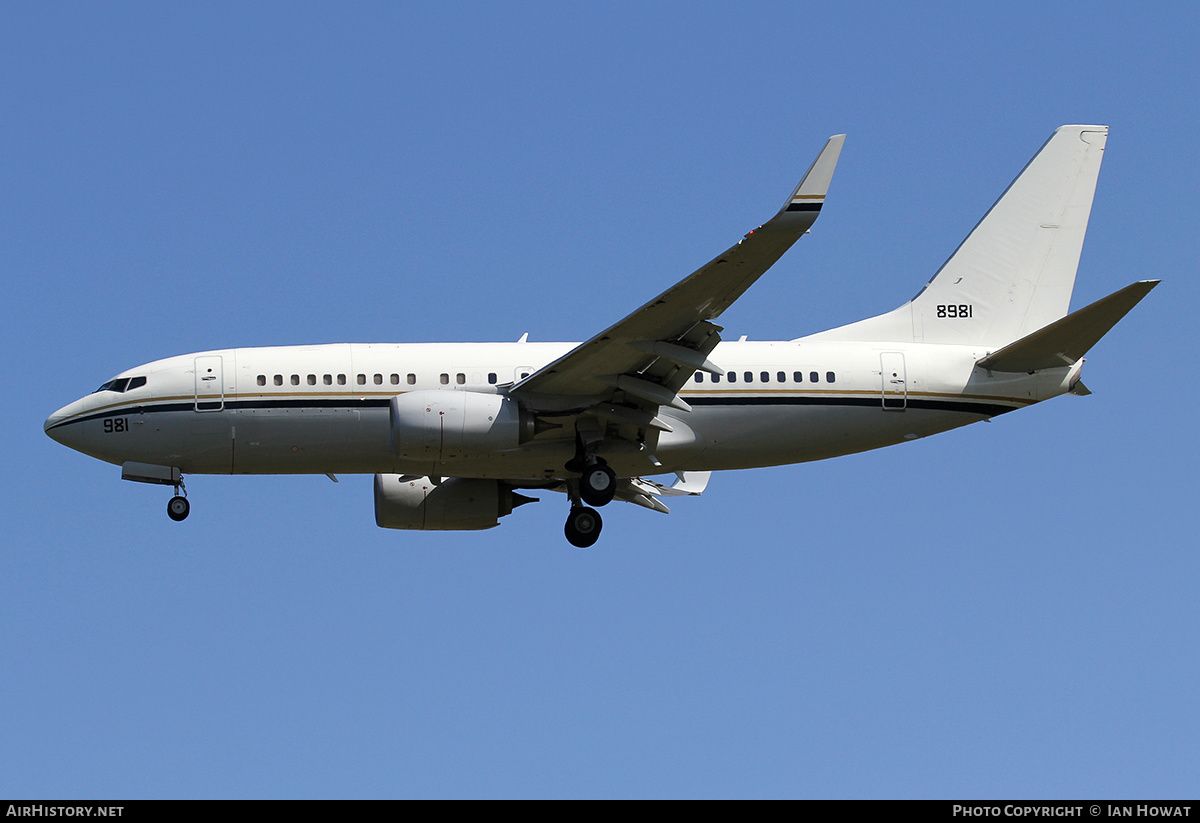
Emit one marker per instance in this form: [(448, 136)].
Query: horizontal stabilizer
[(1065, 341)]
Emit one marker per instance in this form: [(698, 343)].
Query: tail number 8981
[(953, 310)]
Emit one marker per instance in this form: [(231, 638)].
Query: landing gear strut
[(178, 506), (597, 485)]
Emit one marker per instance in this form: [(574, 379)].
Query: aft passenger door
[(895, 383)]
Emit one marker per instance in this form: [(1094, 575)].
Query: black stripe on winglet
[(804, 207)]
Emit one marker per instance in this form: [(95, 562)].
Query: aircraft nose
[(51, 422), (52, 427)]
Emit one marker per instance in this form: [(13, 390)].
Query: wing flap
[(637, 490), (644, 492)]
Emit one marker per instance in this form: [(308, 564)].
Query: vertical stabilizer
[(1015, 271)]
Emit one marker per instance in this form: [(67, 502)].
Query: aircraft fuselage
[(326, 409)]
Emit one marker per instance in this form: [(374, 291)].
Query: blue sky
[(1003, 610)]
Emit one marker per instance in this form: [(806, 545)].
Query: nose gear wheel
[(178, 506)]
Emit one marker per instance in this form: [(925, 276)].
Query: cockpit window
[(122, 384)]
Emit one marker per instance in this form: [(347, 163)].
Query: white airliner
[(452, 431)]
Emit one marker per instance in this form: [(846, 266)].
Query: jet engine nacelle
[(443, 425), (459, 503)]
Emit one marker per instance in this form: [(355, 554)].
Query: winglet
[(815, 183), (802, 208)]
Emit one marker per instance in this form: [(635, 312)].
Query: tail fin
[(1015, 271)]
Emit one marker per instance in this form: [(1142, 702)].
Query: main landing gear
[(598, 484), (583, 526), (178, 507), (596, 487)]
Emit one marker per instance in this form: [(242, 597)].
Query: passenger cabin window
[(327, 379), (341, 379), (378, 380), (395, 379), (813, 377), (748, 376), (279, 380), (312, 380), (781, 377), (699, 377), (732, 376), (361, 379), (829, 376), (765, 377), (460, 378), (444, 379), (295, 380), (716, 378), (412, 380), (262, 380), (492, 377), (798, 376)]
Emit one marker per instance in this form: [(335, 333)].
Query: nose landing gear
[(178, 506)]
